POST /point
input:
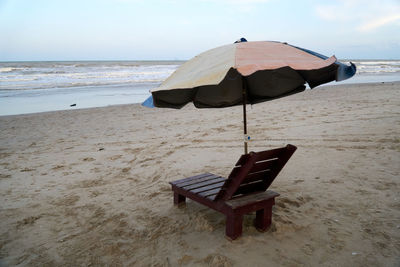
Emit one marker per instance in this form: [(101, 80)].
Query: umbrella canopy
[(267, 70), (246, 72)]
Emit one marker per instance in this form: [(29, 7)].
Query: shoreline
[(332, 84), (90, 186)]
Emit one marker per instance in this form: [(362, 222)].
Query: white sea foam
[(47, 75), (380, 62), (377, 66), (7, 69)]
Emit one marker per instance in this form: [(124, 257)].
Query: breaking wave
[(46, 75)]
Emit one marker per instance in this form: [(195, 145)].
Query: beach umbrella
[(246, 73)]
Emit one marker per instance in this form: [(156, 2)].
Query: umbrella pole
[(244, 116)]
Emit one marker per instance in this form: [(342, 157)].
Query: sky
[(180, 29)]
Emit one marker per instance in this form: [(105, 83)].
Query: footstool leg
[(263, 219), (234, 224), (179, 198)]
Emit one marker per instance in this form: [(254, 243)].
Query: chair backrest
[(255, 172)]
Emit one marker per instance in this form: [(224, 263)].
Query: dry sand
[(90, 187)]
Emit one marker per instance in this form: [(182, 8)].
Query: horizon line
[(158, 60)]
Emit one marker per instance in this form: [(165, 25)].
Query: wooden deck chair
[(243, 192)]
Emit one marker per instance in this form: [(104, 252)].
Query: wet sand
[(90, 186)]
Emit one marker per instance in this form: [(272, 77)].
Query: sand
[(90, 187)]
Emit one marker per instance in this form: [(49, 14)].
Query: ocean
[(30, 87)]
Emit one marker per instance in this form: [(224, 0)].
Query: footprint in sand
[(95, 193), (88, 159), (299, 201), (185, 260), (153, 195), (32, 144), (217, 260), (57, 167), (169, 153), (126, 170), (283, 201), (308, 249), (96, 170), (27, 221), (115, 157), (90, 183), (27, 170), (335, 181), (68, 200)]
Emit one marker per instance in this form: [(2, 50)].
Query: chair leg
[(179, 198), (234, 223), (263, 218)]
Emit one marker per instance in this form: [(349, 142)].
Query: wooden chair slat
[(209, 192), (265, 164), (197, 180), (250, 188), (207, 188), (261, 175), (204, 183)]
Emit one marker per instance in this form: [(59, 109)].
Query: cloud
[(365, 16), (239, 2), (379, 22)]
